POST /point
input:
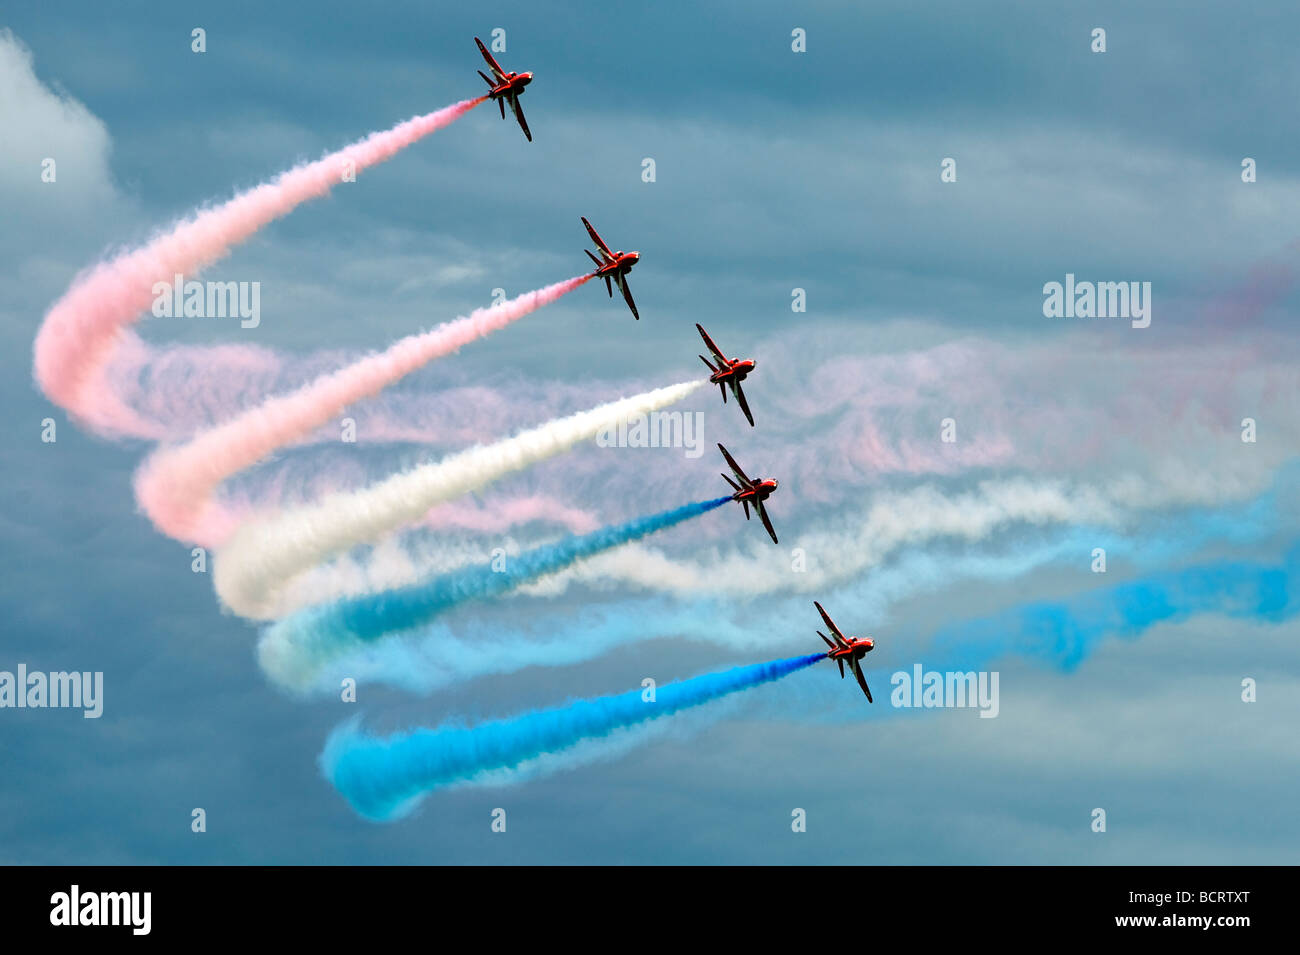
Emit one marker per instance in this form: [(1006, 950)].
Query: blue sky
[(775, 170)]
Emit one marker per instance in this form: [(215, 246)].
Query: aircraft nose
[(528, 78), (634, 256)]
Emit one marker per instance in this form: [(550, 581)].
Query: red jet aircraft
[(506, 87), (849, 649), (730, 372), (613, 265), (750, 492)]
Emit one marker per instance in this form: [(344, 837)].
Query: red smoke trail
[(83, 328), (176, 487)]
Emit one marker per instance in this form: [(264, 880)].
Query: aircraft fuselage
[(736, 371), (856, 648), (621, 263), (760, 491), (513, 83)]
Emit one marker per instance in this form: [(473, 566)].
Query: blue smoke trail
[(385, 778), (1066, 632), (443, 653), (316, 634)]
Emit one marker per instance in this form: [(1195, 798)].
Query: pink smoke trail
[(82, 329), (176, 487)]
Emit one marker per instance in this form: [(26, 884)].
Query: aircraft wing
[(519, 115), (862, 680), (762, 513), (493, 65), (627, 295), (600, 243), (717, 353), (829, 622), (734, 466), (839, 643), (740, 400)]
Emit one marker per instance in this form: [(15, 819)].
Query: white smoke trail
[(266, 554), (864, 539), (859, 540)]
